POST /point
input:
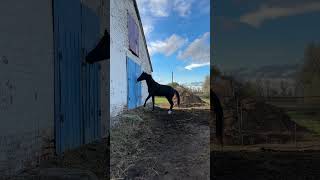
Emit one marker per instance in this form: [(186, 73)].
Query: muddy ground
[(148, 144)]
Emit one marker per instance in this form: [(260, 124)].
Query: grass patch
[(312, 123), (207, 100), (163, 100), (160, 100)]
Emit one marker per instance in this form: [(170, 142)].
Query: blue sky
[(178, 35), (252, 34)]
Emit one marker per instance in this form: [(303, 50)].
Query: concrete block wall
[(26, 83), (119, 51)]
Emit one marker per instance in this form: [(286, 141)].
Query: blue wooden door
[(134, 88), (67, 79), (77, 84), (90, 77)]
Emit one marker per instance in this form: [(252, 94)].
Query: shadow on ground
[(265, 165)]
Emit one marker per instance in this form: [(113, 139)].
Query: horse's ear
[(106, 32)]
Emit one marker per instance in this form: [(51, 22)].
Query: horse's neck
[(151, 82)]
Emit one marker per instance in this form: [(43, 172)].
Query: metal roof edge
[(144, 38)]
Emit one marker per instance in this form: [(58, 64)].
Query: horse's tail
[(178, 96), (217, 107)]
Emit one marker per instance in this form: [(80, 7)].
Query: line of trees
[(309, 76), (206, 86)]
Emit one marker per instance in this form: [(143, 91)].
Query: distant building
[(128, 57)]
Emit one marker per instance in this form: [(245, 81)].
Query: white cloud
[(183, 7), (198, 51), (264, 13), (157, 8), (149, 10), (192, 66), (152, 10), (203, 6), (167, 46), (163, 8), (148, 26), (142, 6)]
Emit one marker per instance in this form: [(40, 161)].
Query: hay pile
[(87, 160), (257, 122), (249, 119), (187, 98), (129, 140)]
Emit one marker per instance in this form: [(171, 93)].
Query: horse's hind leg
[(145, 102), (171, 104), (152, 103)]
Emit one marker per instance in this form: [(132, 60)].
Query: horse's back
[(165, 90)]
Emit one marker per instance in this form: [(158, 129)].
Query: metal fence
[(277, 122)]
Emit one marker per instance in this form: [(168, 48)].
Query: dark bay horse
[(156, 89), (101, 50)]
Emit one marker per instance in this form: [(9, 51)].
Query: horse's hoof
[(169, 112)]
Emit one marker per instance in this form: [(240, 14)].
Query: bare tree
[(309, 76), (206, 85), (259, 86), (283, 87)]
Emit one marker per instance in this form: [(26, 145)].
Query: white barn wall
[(26, 83), (119, 51)]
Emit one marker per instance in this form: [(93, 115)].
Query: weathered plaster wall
[(119, 52), (26, 83)]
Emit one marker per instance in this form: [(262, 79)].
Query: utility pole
[(241, 123), (295, 134), (172, 77)]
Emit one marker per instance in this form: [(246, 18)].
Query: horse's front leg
[(152, 103), (146, 100)]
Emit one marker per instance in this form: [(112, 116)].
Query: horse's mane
[(150, 77), (151, 80)]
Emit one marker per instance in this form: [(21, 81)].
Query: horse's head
[(143, 76), (101, 51)]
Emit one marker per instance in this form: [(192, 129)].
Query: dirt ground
[(265, 165), (286, 161), (148, 144), (88, 162)]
